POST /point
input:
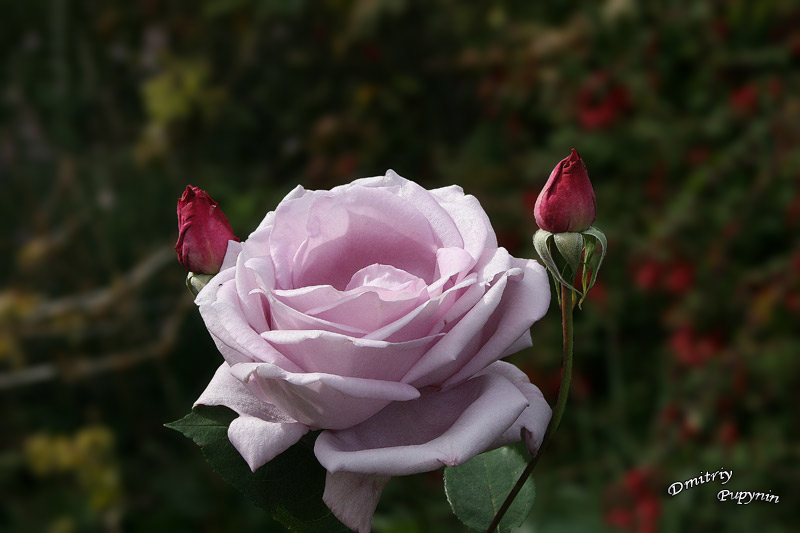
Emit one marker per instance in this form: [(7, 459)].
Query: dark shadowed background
[(686, 113)]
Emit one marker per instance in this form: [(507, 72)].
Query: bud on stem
[(203, 232), (568, 255)]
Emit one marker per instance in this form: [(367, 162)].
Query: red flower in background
[(680, 277), (601, 102), (744, 100), (635, 505), (694, 349), (647, 274)]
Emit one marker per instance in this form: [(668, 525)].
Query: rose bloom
[(377, 313)]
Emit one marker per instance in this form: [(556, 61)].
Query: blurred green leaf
[(478, 488)]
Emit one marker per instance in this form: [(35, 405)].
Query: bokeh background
[(686, 113)]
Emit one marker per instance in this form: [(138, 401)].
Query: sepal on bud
[(570, 255), (196, 282)]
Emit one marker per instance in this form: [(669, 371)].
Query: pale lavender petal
[(461, 342), (262, 431), (526, 300), (288, 231), (323, 401), (450, 262), (439, 218), (229, 261), (379, 276), (472, 221), (259, 441), (377, 295), (534, 418), (332, 353), (515, 299), (284, 318), (248, 280), (524, 341), (325, 237), (447, 427), (353, 498), (304, 298), (225, 389), (235, 338), (427, 319)]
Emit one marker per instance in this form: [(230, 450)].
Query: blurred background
[(686, 113)]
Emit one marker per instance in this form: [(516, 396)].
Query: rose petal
[(250, 274), (515, 299), (525, 302), (284, 318), (421, 200), (461, 342), (262, 431), (224, 389), (534, 418), (319, 400), (450, 262), (325, 237), (332, 353), (259, 441), (427, 319), (228, 325), (439, 428), (470, 218), (353, 498)]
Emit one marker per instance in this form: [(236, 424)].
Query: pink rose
[(203, 232), (376, 312)]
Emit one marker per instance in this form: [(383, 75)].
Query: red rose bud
[(203, 232), (567, 202)]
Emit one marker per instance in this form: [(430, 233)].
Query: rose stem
[(567, 306)]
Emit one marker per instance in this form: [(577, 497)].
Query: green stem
[(567, 305)]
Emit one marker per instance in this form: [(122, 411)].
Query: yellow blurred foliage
[(88, 455), (182, 90)]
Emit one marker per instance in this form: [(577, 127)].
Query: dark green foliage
[(478, 488), (289, 487)]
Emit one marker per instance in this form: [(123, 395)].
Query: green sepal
[(542, 242), (196, 282), (592, 260), (570, 245)]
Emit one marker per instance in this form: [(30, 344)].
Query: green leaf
[(289, 487), (478, 488)]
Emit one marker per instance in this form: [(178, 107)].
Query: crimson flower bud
[(567, 202), (203, 232)]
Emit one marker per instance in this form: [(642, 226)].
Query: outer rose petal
[(524, 302), (331, 353), (262, 431), (259, 441), (517, 295), (323, 401), (534, 418), (439, 428), (353, 497), (472, 221), (221, 310)]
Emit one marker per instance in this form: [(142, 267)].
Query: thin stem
[(567, 305)]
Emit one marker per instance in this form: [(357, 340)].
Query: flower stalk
[(567, 301)]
